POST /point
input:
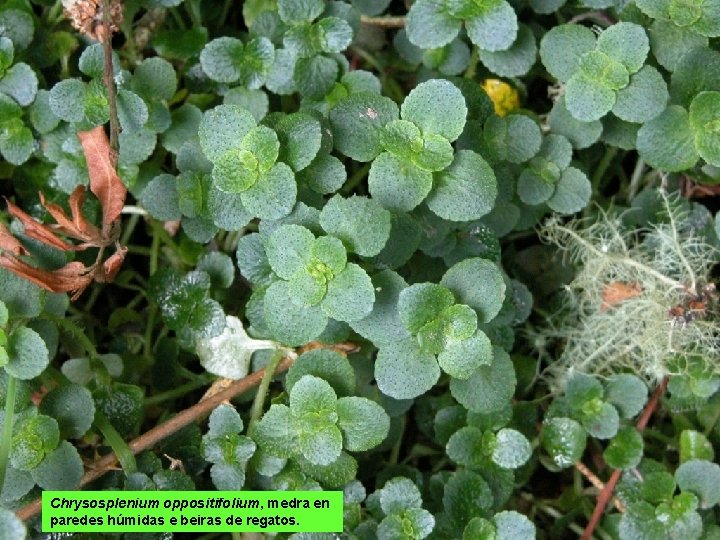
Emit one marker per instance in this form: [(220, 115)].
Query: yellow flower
[(504, 97)]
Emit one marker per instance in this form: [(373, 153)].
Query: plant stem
[(6, 441), (259, 403), (635, 179), (355, 179), (150, 438), (75, 331), (109, 79), (383, 22), (472, 64), (606, 493), (602, 168), (116, 442), (178, 391)]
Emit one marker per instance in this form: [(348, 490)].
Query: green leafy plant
[(455, 258)]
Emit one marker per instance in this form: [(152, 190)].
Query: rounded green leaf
[(466, 190), (222, 128), (132, 111), (314, 77), (479, 284), (422, 303), (461, 358), (697, 70), (335, 34), (326, 364), (515, 138), (273, 195), (511, 525), (403, 371), (361, 223), (436, 106), (511, 449), (705, 123), (289, 322), (160, 198), (364, 423), (10, 525), (562, 47), (625, 42), (300, 139), (572, 193), (667, 142), (320, 444), (155, 78), (60, 470), (670, 42), (20, 83), (16, 141), (296, 11), (73, 408), (580, 134), (399, 494), (586, 99), (383, 325), (28, 354), (495, 28), (515, 61), (288, 249), (489, 388), (275, 432), (330, 252), (307, 289), (625, 449), (357, 124), (224, 420), (326, 174), (536, 184), (429, 25), (350, 295), (414, 523), (599, 418), (465, 447), (628, 393), (466, 495), (702, 478), (695, 445), (67, 100), (313, 396), (398, 184), (644, 98), (564, 440)]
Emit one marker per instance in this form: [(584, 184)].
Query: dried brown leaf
[(78, 226), (74, 277), (617, 292), (9, 243), (111, 266), (39, 231), (104, 180)]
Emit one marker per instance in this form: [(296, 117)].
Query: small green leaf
[(511, 525), (273, 195), (222, 128), (495, 28), (461, 358), (562, 47), (66, 100), (422, 303), (429, 24), (289, 249), (625, 449), (361, 223), (572, 193), (479, 284), (399, 494), (702, 478), (16, 141), (300, 139), (275, 432), (28, 354), (383, 326), (644, 98), (289, 322), (580, 134), (132, 111), (73, 408), (350, 295), (511, 449), (564, 440), (466, 190), (600, 419), (627, 393), (20, 83), (436, 106), (667, 142), (327, 365), (403, 371), (670, 42), (515, 138), (398, 184), (357, 124), (326, 174), (364, 423), (705, 122), (625, 42), (694, 445), (516, 60), (155, 78), (60, 470), (160, 198), (294, 11), (586, 99), (489, 388)]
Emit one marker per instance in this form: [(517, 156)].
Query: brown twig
[(383, 22), (595, 481), (606, 493), (108, 77), (150, 438)]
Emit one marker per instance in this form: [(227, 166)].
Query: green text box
[(192, 511)]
